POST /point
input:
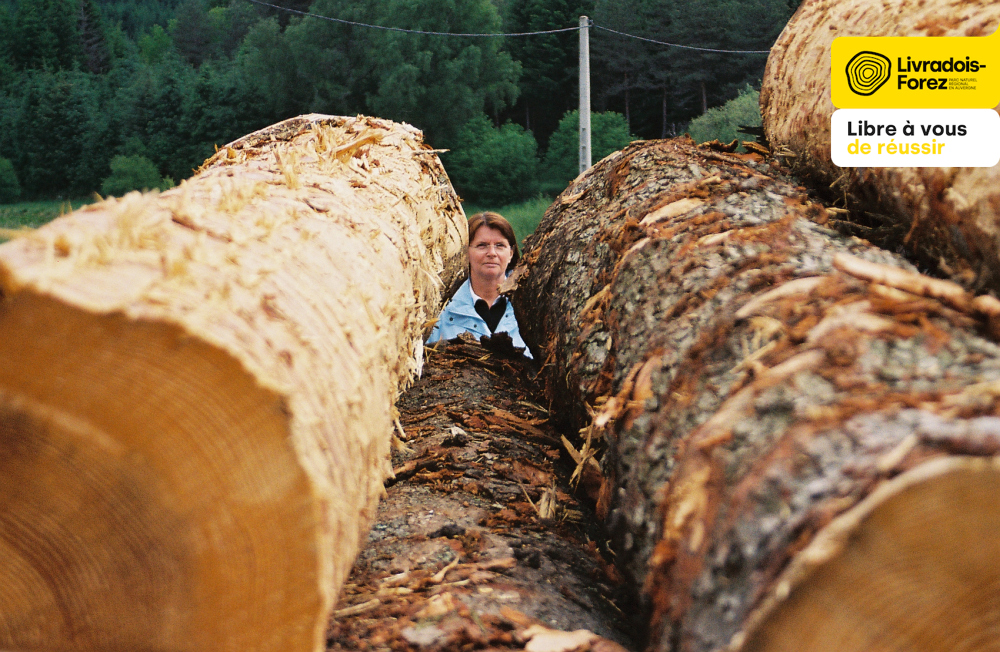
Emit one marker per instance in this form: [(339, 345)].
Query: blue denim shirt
[(459, 315)]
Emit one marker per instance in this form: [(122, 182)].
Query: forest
[(109, 95)]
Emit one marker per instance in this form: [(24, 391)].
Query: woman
[(477, 306)]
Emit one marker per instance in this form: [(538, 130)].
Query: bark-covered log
[(196, 390), (948, 218), (479, 543), (794, 422)]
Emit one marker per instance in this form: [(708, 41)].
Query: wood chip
[(951, 293), (791, 288), (674, 209), (543, 639), (357, 609), (439, 576)]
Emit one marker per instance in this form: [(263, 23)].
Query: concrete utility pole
[(585, 158)]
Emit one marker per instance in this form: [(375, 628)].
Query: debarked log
[(196, 390), (798, 427), (948, 218)]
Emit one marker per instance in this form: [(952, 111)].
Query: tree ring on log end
[(149, 492), (912, 567)]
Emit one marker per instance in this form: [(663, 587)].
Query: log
[(196, 395), (947, 218), (479, 543), (798, 429)]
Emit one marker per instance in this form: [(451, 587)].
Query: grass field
[(524, 217), (36, 213)]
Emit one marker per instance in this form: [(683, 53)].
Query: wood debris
[(491, 549)]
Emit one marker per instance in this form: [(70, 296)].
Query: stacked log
[(948, 218), (196, 394), (797, 427)]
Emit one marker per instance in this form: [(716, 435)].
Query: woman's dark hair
[(495, 221)]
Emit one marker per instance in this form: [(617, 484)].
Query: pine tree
[(52, 123), (619, 63), (96, 58), (191, 32), (62, 17), (435, 83), (31, 43), (704, 79), (549, 82), (45, 35)]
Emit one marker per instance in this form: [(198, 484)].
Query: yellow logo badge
[(916, 72)]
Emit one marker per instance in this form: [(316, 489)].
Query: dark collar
[(492, 314)]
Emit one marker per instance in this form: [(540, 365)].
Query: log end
[(913, 567), (151, 498)]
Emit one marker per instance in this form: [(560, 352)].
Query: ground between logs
[(480, 543)]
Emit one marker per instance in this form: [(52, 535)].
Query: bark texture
[(479, 543), (948, 218), (794, 423), (196, 395)]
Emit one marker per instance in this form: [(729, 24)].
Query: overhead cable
[(549, 31), (407, 31), (677, 45)]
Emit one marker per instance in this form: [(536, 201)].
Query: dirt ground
[(481, 543)]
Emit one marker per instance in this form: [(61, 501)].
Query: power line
[(407, 31), (549, 31), (677, 45)]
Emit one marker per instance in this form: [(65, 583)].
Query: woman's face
[(489, 253)]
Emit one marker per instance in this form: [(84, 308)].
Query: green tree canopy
[(562, 160), (137, 17), (152, 107), (229, 25), (191, 31), (662, 87), (723, 122), (130, 173), (550, 84), (701, 80), (494, 166), (154, 45), (621, 64), (48, 139), (96, 56), (272, 78), (44, 34), (435, 83), (83, 81), (10, 188)]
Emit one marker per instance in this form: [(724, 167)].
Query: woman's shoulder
[(462, 280), (462, 295)]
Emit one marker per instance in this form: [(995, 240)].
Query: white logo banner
[(881, 138)]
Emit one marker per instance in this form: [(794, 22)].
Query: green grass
[(524, 217), (33, 214)]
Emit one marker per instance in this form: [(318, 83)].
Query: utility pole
[(585, 158)]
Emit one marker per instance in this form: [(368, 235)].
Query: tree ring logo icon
[(867, 71)]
